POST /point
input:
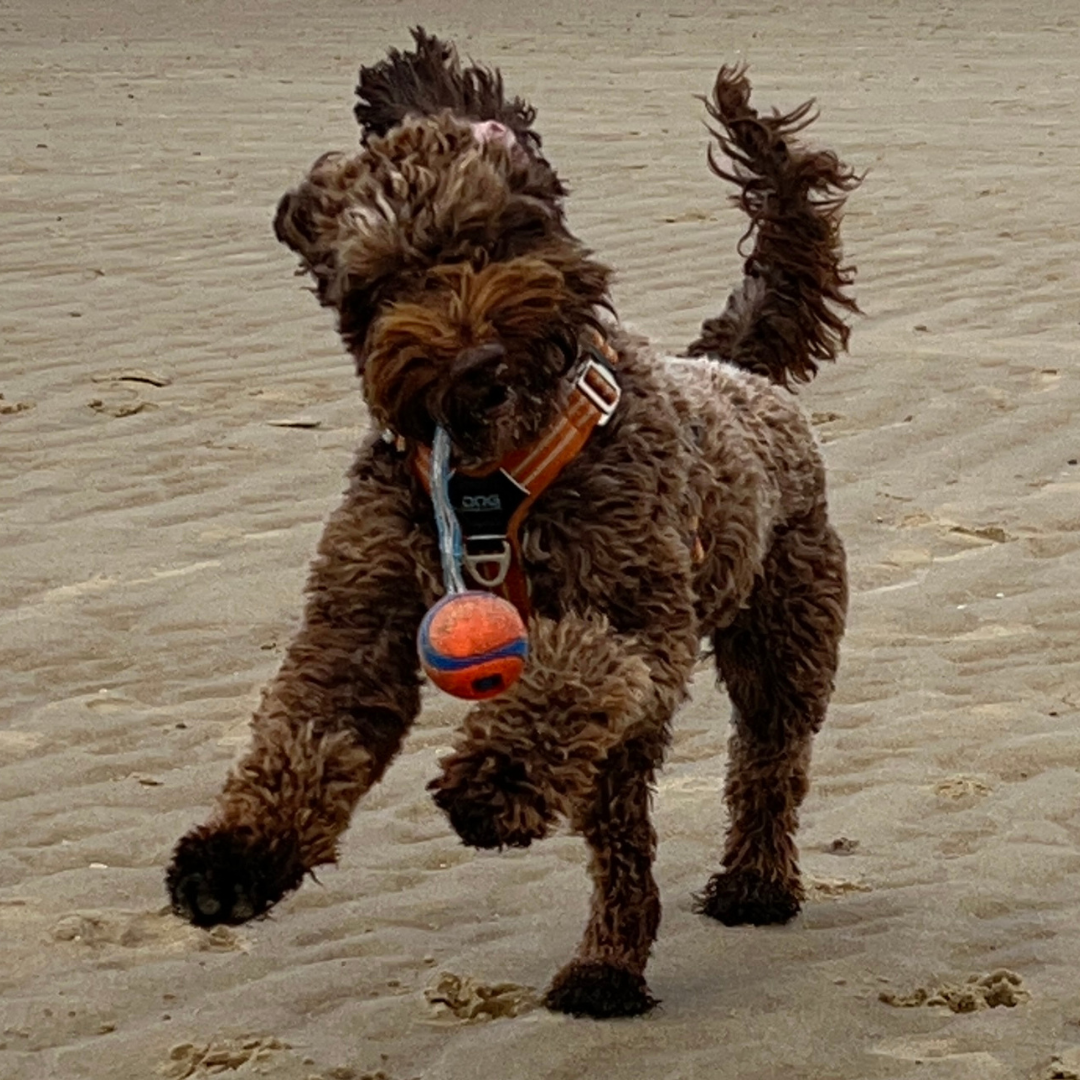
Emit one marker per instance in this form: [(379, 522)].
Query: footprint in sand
[(826, 888), (251, 1055), (992, 534), (120, 409), (961, 787), (9, 408), (978, 535), (154, 931), (219, 1056), (979, 992), (460, 997), (1063, 1066), (842, 845)]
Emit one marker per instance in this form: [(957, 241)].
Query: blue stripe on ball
[(433, 659)]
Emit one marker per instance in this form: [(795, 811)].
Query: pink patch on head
[(491, 131)]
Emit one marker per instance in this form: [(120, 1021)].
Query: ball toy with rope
[(472, 643)]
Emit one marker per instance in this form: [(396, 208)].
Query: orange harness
[(492, 505)]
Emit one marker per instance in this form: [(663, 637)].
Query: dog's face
[(459, 289)]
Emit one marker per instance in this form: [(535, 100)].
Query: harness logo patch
[(481, 502)]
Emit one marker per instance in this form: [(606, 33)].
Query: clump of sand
[(979, 992), (188, 1060), (465, 998)]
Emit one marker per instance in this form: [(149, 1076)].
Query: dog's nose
[(476, 357), (475, 389)]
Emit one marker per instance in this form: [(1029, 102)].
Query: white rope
[(450, 544)]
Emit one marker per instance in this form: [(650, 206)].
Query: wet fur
[(431, 246)]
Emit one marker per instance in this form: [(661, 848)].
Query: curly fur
[(430, 80), (698, 511), (787, 314)]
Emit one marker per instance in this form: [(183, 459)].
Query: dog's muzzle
[(475, 391)]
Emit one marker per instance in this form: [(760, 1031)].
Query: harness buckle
[(498, 557), (600, 386)]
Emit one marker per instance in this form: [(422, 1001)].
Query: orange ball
[(473, 644)]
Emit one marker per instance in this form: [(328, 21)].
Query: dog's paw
[(490, 801), (739, 898), (230, 876), (600, 990)]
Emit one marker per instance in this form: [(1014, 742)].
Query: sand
[(177, 417)]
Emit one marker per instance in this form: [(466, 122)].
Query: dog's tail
[(430, 79), (788, 312)]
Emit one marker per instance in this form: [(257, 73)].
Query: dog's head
[(462, 295)]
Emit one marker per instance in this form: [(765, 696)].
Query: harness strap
[(491, 506)]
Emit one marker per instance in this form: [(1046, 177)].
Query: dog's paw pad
[(599, 990), (228, 877), (746, 899)]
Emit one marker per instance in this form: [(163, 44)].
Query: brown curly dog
[(698, 511)]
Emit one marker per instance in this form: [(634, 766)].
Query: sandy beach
[(176, 419)]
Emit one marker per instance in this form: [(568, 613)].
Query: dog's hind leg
[(331, 720), (778, 661)]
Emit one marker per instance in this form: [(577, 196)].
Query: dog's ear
[(307, 221), (314, 220), (430, 80)]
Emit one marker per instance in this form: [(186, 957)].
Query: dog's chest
[(618, 528)]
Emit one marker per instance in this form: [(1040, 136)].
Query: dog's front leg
[(330, 721), (536, 751), (606, 978), (579, 735)]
